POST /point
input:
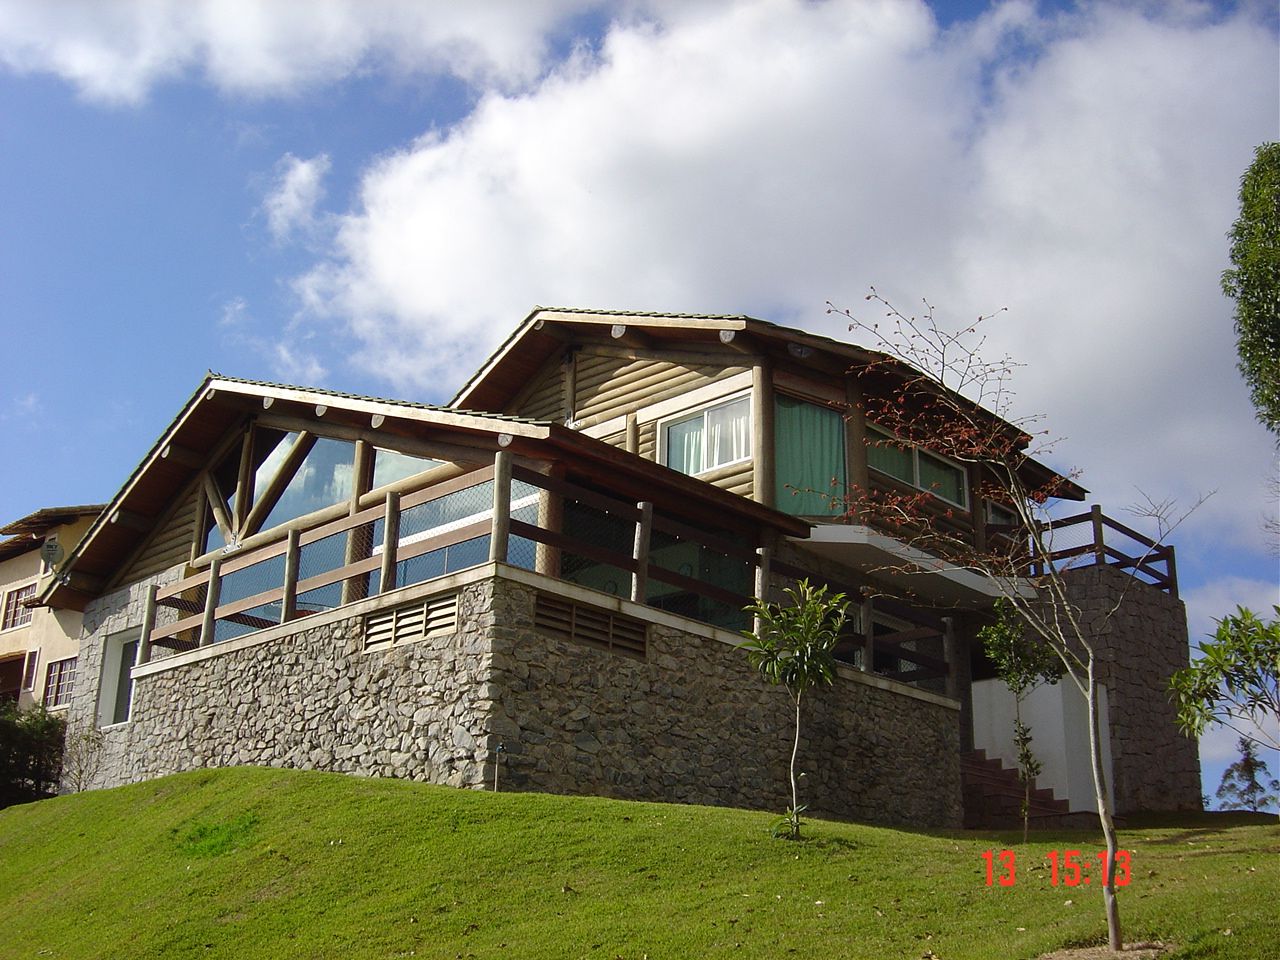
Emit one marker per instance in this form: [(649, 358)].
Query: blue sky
[(370, 199)]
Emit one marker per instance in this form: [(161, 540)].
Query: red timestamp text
[(1071, 868)]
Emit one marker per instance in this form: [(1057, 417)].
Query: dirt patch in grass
[(1132, 951)]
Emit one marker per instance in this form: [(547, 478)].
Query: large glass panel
[(728, 433), (941, 479), (684, 445), (323, 479), (810, 468), (391, 465), (886, 455)]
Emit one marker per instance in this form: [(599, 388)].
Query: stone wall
[(690, 722), (310, 699), (695, 723), (1138, 649)]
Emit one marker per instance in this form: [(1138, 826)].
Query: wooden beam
[(685, 357), (175, 453), (292, 552), (132, 519), (209, 624), (640, 551), (219, 508), (501, 507), (302, 445), (148, 624), (857, 473), (763, 447), (362, 473), (633, 433), (457, 448), (244, 482), (390, 542), (570, 383)]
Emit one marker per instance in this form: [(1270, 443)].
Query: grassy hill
[(266, 863)]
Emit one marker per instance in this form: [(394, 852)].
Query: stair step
[(993, 796)]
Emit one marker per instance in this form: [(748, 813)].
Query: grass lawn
[(250, 863)]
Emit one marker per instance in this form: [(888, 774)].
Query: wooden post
[(1099, 535), (762, 442), (633, 433), (570, 385), (501, 507), (244, 482), (640, 552), (550, 517), (764, 560), (857, 474), (148, 624), (289, 603), (1172, 569), (949, 655), (390, 542), (211, 601)]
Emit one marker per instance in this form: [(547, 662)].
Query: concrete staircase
[(993, 798)]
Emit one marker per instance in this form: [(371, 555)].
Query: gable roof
[(28, 533), (546, 331), (221, 404)]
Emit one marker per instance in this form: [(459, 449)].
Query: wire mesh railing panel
[(711, 571), (602, 535)]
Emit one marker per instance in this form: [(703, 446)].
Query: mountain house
[(541, 585)]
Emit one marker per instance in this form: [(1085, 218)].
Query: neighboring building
[(552, 590), (38, 646)]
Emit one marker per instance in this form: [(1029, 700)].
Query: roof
[(43, 520), (546, 331), (222, 404), (28, 533)]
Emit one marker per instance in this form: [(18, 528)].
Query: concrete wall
[(1059, 720), (691, 722)]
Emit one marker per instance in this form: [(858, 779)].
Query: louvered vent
[(593, 626), (435, 616)]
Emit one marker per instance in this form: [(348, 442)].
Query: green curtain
[(809, 457)]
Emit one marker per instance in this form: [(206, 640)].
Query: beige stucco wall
[(54, 633)]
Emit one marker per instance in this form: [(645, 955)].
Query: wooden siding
[(612, 386), (545, 399), (170, 543)]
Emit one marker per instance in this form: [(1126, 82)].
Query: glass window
[(60, 682), (15, 614), (115, 696), (810, 468), (710, 438), (921, 469), (391, 465), (324, 478)]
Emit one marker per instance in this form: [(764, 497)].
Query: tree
[(791, 645), (1023, 664), (1235, 681), (1241, 788), (931, 387), (1253, 282)]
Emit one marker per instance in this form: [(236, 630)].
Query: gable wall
[(170, 543)]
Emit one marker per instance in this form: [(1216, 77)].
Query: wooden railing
[(194, 607), (1149, 561)]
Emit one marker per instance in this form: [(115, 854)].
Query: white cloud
[(763, 157), (115, 52), (298, 187)]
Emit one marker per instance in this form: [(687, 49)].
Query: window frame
[(881, 434), (21, 615), (666, 423), (59, 688), (114, 670)]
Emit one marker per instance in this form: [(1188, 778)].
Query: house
[(38, 646), (544, 580)]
